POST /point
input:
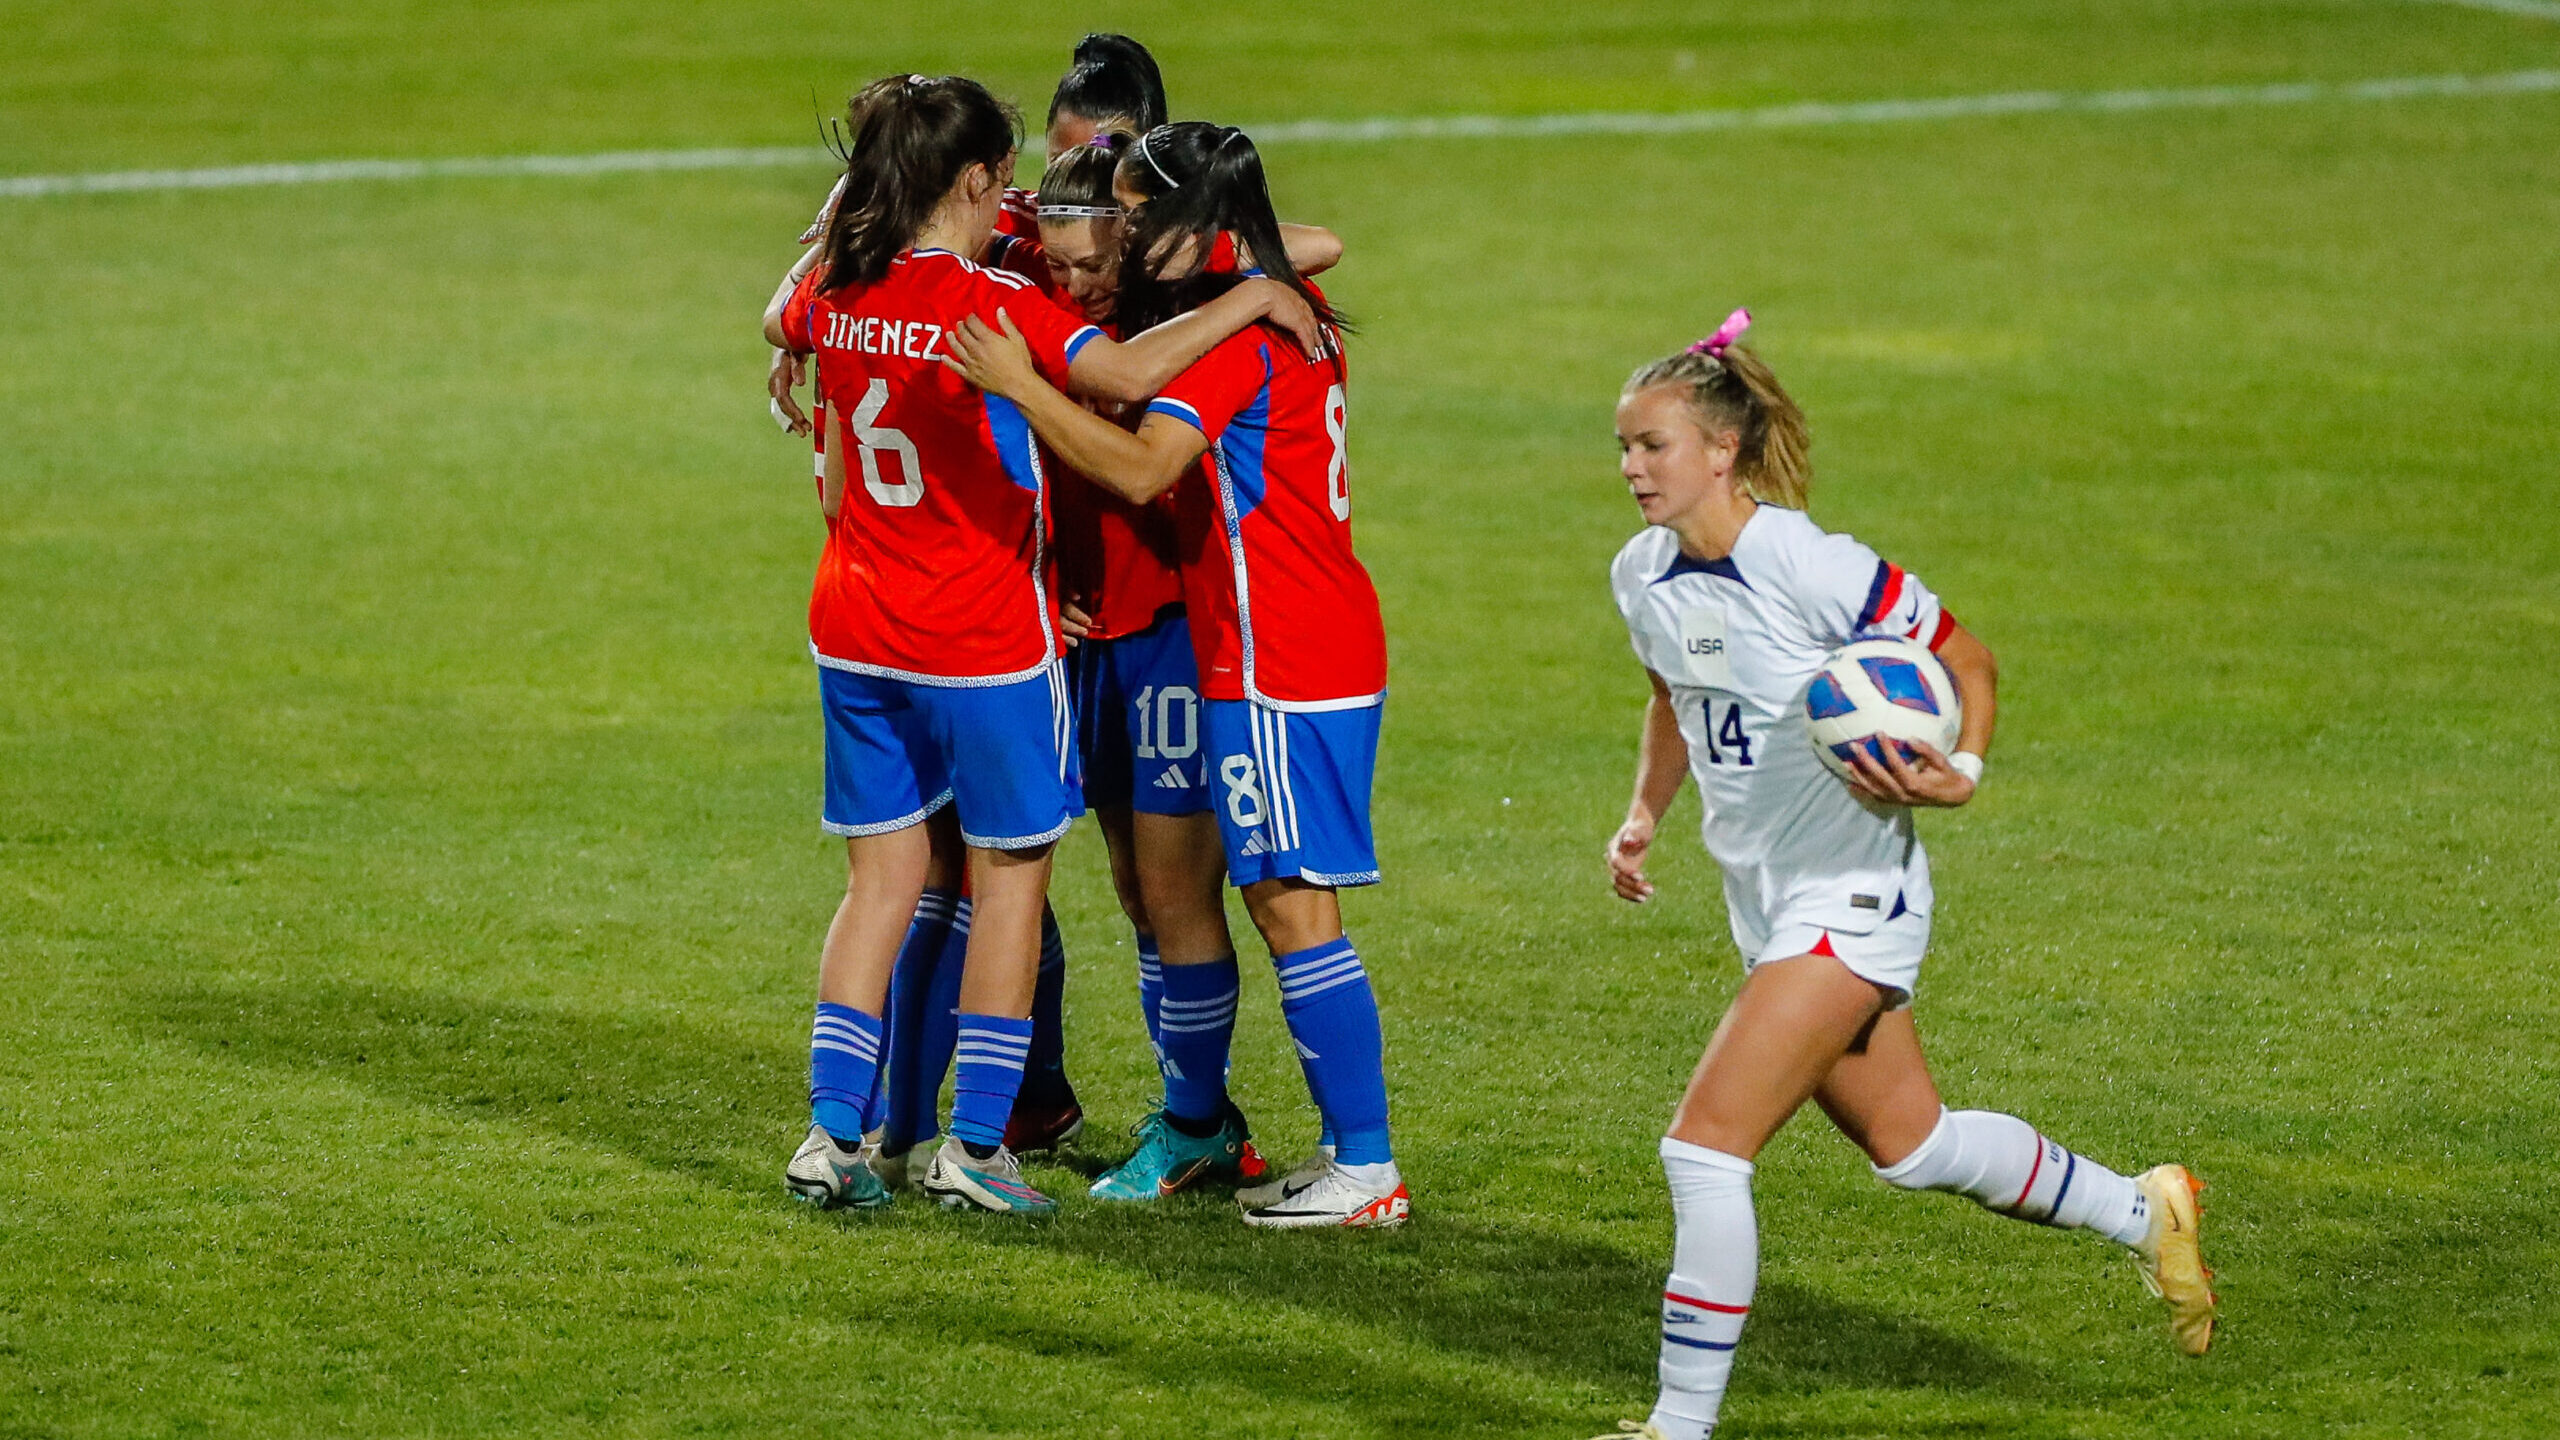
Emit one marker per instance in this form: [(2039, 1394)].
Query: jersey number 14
[(1726, 734)]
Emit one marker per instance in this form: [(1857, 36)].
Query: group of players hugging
[(1082, 459)]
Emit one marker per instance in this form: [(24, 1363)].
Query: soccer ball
[(1872, 690)]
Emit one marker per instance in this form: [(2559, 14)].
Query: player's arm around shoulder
[(1137, 466), (1930, 778)]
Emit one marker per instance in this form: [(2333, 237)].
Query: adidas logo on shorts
[(1255, 845), (1172, 779)]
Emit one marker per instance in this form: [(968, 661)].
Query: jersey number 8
[(1337, 479)]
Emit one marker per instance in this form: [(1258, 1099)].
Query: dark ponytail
[(1198, 180), (907, 138), (1113, 78)]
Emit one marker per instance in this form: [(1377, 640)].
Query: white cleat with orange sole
[(1337, 1200)]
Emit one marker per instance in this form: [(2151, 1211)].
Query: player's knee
[(1928, 1165)]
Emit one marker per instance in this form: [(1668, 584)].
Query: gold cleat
[(2171, 1261), (1632, 1430)]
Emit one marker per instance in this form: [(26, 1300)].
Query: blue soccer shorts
[(1138, 720), (1002, 755), (1291, 790)]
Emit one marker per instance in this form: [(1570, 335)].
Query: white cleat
[(833, 1178), (892, 1169), (1337, 1200), (960, 1181), (1272, 1192)]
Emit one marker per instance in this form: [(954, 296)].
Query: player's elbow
[(773, 335), (1314, 250), (1964, 650), (1147, 480)]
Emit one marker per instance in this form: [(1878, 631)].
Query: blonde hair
[(1735, 390)]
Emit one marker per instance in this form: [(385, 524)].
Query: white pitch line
[(2533, 9), (1371, 131), (1878, 112)]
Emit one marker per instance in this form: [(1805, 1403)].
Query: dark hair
[(1113, 78), (906, 140), (1197, 180), (1082, 176)]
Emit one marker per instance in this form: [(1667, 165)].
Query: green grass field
[(409, 877)]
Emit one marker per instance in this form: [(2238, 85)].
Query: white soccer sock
[(1715, 1264), (2007, 1166)]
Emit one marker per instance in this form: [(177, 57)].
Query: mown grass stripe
[(1369, 131)]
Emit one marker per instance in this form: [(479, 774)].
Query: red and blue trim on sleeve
[(1162, 405), (1881, 595)]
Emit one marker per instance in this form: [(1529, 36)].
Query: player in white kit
[(1732, 598)]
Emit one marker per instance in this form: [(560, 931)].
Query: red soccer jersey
[(1021, 213), (934, 566), (1281, 611), (1119, 561)]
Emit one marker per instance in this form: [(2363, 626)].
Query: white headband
[(1149, 156), (1081, 212)]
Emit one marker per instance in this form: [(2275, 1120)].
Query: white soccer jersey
[(1738, 641)]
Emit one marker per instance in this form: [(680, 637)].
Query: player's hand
[(788, 371), (1925, 778), (1289, 310), (1074, 621), (998, 362), (1626, 860)]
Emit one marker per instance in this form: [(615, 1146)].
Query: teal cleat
[(1168, 1160)]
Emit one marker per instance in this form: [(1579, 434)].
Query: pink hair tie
[(1731, 330)]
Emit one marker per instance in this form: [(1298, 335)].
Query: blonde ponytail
[(1731, 388)]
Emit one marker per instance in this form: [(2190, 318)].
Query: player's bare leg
[(1119, 842), (885, 876), (1788, 1026), (1181, 874), (1884, 1100), (1881, 1094)]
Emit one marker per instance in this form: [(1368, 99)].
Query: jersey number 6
[(872, 439)]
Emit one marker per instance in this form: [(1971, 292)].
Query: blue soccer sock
[(909, 982), (1151, 992), (1333, 1015), (844, 1060), (1197, 1028), (1044, 1077), (924, 994), (992, 1049)]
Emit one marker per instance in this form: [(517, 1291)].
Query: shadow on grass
[(703, 1104)]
